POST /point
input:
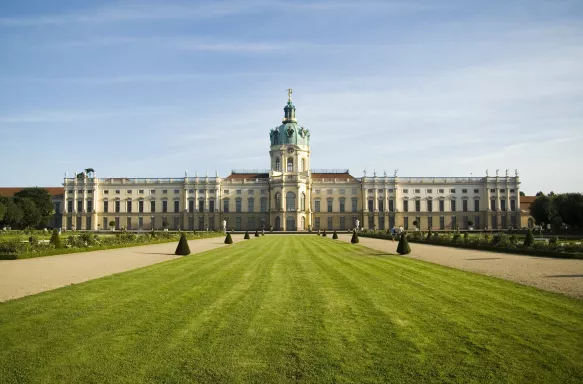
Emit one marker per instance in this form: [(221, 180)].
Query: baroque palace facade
[(290, 196)]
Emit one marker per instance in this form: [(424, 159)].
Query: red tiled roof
[(233, 176), (9, 191)]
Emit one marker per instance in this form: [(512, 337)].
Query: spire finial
[(289, 93)]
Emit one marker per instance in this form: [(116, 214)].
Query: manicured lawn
[(293, 309)]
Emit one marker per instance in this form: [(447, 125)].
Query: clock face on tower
[(290, 150)]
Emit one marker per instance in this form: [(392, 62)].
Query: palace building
[(291, 196)]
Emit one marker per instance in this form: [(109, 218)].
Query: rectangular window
[(381, 204), (429, 205), (226, 191), (430, 191), (316, 191), (152, 206), (354, 191), (263, 205), (129, 206), (504, 224), (452, 191), (176, 206), (164, 191), (493, 204), (369, 190), (390, 190), (502, 191), (342, 191), (251, 192), (453, 207), (201, 191), (226, 205), (164, 206), (79, 206), (464, 205), (238, 191), (342, 222), (406, 205), (417, 206), (329, 205), (317, 205), (512, 191), (129, 191), (477, 205), (464, 191), (176, 191), (441, 222), (106, 206), (251, 205), (317, 222), (430, 222), (263, 191), (513, 205), (441, 190), (141, 206), (140, 222), (405, 222), (191, 191), (477, 222), (117, 191), (503, 205), (190, 205), (513, 221), (106, 192), (140, 191), (201, 205), (152, 191), (342, 205), (417, 191), (441, 206), (391, 206), (405, 191), (453, 222), (105, 223), (354, 201), (89, 206), (370, 205), (492, 191), (117, 206), (329, 191), (238, 205), (476, 191), (329, 222), (211, 205)]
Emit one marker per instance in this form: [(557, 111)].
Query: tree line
[(28, 208), (558, 209)]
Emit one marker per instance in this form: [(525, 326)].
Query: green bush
[(456, 237), (403, 247), (554, 240), (354, 239), (335, 235), (466, 237), (56, 239), (182, 249), (33, 241), (513, 239), (228, 239), (246, 235), (529, 239)]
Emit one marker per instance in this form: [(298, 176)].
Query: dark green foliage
[(529, 239), (324, 234), (256, 233), (33, 240), (56, 239), (12, 212), (2, 210), (456, 237), (354, 239), (112, 224), (403, 247), (228, 239), (42, 201), (554, 240), (182, 249), (246, 235), (335, 235), (513, 239)]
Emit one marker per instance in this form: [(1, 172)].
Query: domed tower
[(290, 172)]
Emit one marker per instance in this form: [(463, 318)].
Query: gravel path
[(557, 275), (25, 277)]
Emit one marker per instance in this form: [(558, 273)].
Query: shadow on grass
[(486, 258), (564, 276), (156, 253)]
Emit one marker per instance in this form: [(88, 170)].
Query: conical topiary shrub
[(529, 239), (228, 239), (324, 234), (256, 233), (403, 248), (56, 239), (182, 248), (335, 235), (246, 235), (354, 239)]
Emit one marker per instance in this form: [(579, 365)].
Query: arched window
[(303, 165), (277, 164), (290, 201), (278, 201), (303, 225), (290, 164), (303, 202)]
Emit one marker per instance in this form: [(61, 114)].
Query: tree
[(569, 207), (539, 193), (551, 193), (112, 224), (542, 210), (470, 223), (228, 239), (165, 223), (56, 239), (415, 223), (246, 235), (529, 239), (403, 247), (42, 199), (31, 217), (522, 193), (182, 249), (2, 211), (354, 239), (335, 235), (13, 214)]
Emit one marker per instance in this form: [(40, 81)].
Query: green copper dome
[(290, 132)]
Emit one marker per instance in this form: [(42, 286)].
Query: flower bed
[(497, 243), (22, 247)]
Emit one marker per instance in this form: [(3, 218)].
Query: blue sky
[(151, 88)]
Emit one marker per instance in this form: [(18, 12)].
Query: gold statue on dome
[(289, 93)]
